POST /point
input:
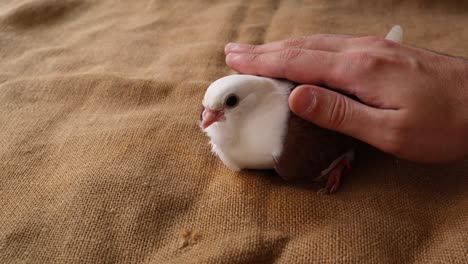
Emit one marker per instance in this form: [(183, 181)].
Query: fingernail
[(304, 103), (233, 57), (237, 47)]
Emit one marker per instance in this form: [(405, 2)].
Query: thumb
[(335, 111)]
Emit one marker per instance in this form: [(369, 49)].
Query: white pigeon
[(250, 126)]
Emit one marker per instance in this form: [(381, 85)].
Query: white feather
[(253, 131), (395, 34)]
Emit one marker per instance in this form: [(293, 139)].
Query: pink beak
[(209, 116)]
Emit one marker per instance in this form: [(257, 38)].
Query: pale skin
[(413, 103)]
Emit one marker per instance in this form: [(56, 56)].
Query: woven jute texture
[(102, 159)]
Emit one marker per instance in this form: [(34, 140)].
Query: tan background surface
[(101, 159)]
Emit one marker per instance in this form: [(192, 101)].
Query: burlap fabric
[(102, 160)]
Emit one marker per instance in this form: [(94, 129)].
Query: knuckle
[(412, 63), (339, 109), (253, 57), (321, 35), (318, 37), (324, 35), (372, 39), (344, 73), (375, 41), (253, 49), (290, 54), (387, 43), (319, 40), (395, 141), (294, 42), (366, 60)]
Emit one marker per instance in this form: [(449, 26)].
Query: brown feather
[(309, 149)]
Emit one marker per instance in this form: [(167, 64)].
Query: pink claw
[(334, 177)]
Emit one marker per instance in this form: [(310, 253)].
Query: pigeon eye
[(231, 100)]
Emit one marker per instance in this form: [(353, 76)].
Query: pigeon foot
[(334, 177)]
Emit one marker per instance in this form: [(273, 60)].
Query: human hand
[(413, 103)]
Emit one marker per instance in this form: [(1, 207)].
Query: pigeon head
[(230, 98)]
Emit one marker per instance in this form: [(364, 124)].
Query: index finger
[(298, 65), (326, 42)]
